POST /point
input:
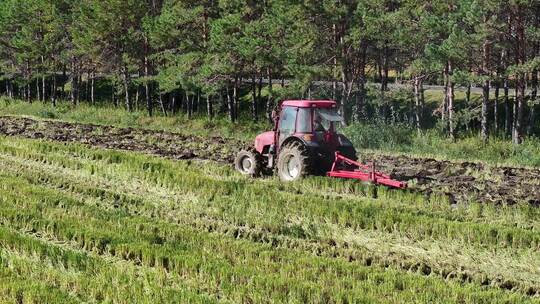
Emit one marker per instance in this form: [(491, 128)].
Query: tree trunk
[(254, 99), (92, 89), (450, 98), (485, 103), (346, 96), (43, 79), (192, 105), (126, 81), (422, 100), (236, 99), (188, 105), (172, 103), (259, 91), (507, 108), (496, 107), (43, 89), (86, 86), (485, 89), (79, 81), (197, 106), (38, 90), (7, 87), (137, 95), (29, 92), (149, 105), (74, 82), (360, 99), (417, 107), (64, 77), (53, 90), (162, 105), (444, 105), (230, 104), (269, 103), (209, 109), (532, 112), (519, 106), (517, 134), (113, 96)]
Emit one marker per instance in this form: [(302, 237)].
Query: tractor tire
[(248, 163), (293, 162)]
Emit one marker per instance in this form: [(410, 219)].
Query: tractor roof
[(309, 103)]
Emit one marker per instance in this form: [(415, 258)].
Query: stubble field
[(83, 223)]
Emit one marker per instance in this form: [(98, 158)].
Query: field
[(172, 222), (459, 181)]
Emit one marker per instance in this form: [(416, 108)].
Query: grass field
[(87, 225)]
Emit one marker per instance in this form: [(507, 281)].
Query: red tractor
[(305, 141)]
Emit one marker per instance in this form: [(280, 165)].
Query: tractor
[(305, 141)]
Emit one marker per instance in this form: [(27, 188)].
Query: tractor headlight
[(308, 137)]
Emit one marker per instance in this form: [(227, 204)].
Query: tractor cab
[(303, 141), (308, 120)]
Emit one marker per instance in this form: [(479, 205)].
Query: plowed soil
[(461, 181), (166, 144)]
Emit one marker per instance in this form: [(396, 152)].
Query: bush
[(380, 136)]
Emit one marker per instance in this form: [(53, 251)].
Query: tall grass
[(404, 139)]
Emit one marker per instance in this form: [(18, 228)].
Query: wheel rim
[(246, 163), (292, 167)]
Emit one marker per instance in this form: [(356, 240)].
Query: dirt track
[(461, 181)]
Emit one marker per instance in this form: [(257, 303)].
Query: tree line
[(206, 55)]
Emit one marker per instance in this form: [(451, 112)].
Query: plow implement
[(344, 167)]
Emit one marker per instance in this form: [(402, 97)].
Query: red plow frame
[(362, 172)]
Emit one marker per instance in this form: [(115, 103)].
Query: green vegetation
[(380, 138), (400, 139), (239, 58), (74, 219)]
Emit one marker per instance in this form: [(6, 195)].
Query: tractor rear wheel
[(293, 162), (248, 163)]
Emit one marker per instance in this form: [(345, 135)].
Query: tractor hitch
[(344, 167)]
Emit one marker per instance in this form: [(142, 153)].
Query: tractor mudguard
[(317, 150), (264, 141), (308, 144)]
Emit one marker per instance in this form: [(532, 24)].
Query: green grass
[(381, 138), (399, 139), (74, 219), (108, 115)]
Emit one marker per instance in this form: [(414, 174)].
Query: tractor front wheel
[(293, 162), (248, 163)]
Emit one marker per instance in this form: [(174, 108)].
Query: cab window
[(287, 123), (288, 120), (303, 121)]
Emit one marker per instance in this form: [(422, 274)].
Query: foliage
[(170, 53)]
